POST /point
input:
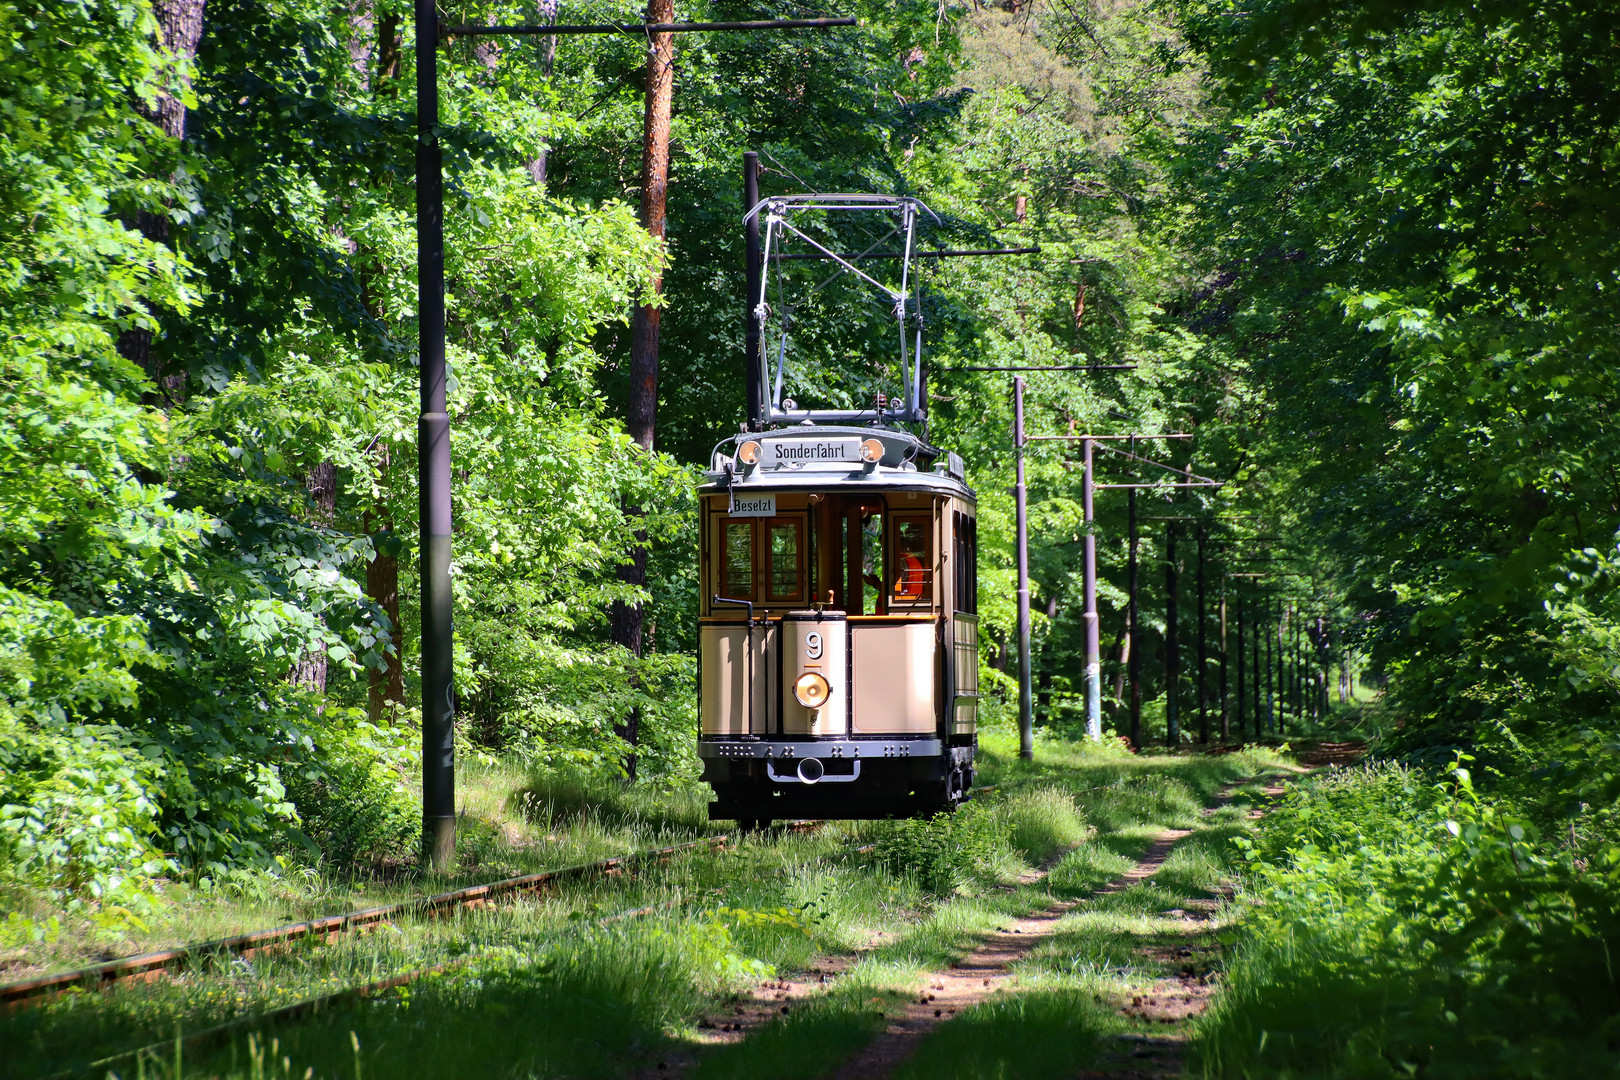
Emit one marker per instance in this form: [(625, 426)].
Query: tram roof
[(810, 457)]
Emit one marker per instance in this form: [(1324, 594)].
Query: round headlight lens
[(871, 450), (811, 690), (748, 453)]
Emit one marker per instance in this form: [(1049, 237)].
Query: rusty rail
[(19, 994)]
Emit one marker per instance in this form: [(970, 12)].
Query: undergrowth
[(1401, 925)]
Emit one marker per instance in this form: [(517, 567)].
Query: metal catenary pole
[(1093, 632), (1172, 642), (433, 463), (1226, 721), (1239, 636), (1134, 661), (1271, 669), (1256, 632), (1203, 648), (1026, 725)]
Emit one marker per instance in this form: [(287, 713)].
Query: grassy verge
[(1402, 924), (544, 990), (511, 823)]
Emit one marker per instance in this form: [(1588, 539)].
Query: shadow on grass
[(812, 1040), (1031, 1035), (565, 798)]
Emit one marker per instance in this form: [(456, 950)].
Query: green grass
[(812, 1040), (543, 991), (1034, 1033), (1063, 1016)]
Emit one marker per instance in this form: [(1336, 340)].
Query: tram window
[(785, 550), (872, 561), (972, 562), (739, 560), (912, 564)]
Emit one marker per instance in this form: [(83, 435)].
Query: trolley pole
[(1026, 728), (433, 464), (1093, 632), (751, 368)]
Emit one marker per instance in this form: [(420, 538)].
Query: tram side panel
[(731, 667)]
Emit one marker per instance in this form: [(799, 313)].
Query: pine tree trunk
[(180, 25), (642, 413)]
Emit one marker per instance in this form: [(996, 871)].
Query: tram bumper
[(834, 778)]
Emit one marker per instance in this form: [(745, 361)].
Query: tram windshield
[(862, 554)]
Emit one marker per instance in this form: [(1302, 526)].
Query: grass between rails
[(549, 992), (1103, 992)]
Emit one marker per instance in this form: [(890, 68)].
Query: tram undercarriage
[(798, 782)]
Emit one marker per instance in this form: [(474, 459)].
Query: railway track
[(172, 961), (151, 965), (147, 966)]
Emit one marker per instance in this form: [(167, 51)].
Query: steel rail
[(18, 994), (477, 893), (317, 1004)]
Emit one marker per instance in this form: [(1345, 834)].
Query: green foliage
[(943, 853), (1399, 925)]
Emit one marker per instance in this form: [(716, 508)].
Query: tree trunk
[(310, 670), (548, 13), (180, 24), (1121, 656), (387, 686), (642, 413)]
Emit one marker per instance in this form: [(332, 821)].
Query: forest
[(1362, 254)]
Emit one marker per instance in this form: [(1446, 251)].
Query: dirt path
[(987, 971), (1171, 1001), (1174, 999)]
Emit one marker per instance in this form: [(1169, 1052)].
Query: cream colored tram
[(839, 635)]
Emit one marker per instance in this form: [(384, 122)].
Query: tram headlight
[(871, 450), (748, 453), (811, 690)]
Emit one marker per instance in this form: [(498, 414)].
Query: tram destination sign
[(796, 453), (753, 506)]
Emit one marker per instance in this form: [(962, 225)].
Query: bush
[(352, 808), (942, 853)]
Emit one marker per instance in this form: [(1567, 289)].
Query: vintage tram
[(838, 636)]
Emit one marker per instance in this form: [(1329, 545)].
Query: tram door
[(886, 557)]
